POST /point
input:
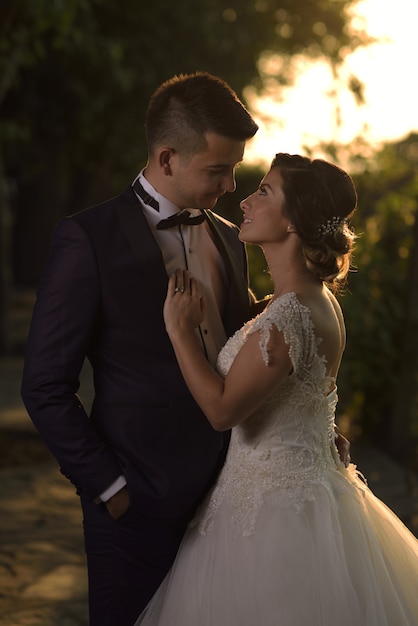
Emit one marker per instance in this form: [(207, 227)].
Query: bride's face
[(264, 220)]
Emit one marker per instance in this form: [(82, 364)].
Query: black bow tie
[(180, 218), (174, 220), (145, 197)]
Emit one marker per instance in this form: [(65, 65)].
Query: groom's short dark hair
[(187, 106)]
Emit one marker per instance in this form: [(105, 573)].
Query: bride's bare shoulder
[(335, 305)]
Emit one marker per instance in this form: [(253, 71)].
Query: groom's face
[(198, 182)]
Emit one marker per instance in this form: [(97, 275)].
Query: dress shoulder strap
[(294, 320)]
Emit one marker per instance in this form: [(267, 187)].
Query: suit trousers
[(127, 560)]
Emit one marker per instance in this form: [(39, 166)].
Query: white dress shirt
[(192, 248)]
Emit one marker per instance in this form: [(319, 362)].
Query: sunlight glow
[(305, 114)]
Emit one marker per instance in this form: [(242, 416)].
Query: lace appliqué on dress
[(287, 446)]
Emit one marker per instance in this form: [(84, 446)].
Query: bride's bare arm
[(225, 402)]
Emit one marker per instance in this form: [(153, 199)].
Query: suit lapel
[(143, 245), (238, 299)]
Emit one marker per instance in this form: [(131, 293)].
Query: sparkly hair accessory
[(331, 226)]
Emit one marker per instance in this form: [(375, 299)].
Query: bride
[(288, 536)]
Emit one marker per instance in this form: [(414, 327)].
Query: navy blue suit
[(101, 296)]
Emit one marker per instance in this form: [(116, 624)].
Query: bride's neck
[(290, 274)]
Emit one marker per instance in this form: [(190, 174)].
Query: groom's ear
[(166, 159)]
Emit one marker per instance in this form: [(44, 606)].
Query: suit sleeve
[(64, 321)]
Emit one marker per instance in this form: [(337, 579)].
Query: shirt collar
[(167, 208)]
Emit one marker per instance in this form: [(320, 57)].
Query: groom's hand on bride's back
[(343, 447)]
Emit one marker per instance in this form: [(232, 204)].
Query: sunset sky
[(305, 114)]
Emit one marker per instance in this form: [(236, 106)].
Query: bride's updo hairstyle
[(320, 198)]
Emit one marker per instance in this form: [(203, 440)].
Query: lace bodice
[(288, 443)]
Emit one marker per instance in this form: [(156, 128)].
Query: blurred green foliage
[(379, 376), (77, 76)]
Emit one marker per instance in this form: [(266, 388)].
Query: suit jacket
[(101, 296)]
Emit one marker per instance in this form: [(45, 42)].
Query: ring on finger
[(179, 290)]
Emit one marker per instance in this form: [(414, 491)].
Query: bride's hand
[(183, 307)]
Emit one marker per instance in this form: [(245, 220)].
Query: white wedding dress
[(288, 536)]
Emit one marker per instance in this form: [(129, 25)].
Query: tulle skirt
[(342, 559)]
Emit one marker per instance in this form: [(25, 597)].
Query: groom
[(146, 455)]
